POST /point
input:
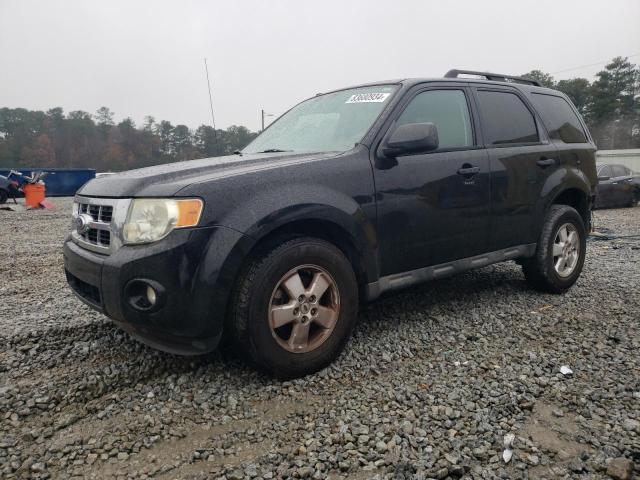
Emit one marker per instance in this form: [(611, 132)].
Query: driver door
[(434, 207)]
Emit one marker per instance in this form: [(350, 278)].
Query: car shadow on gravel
[(474, 289), (454, 292), (100, 344)]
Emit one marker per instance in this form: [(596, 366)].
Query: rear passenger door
[(521, 159), (623, 187), (566, 132)]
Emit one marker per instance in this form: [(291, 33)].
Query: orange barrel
[(33, 194)]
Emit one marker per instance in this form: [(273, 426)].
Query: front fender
[(271, 211), (336, 189)]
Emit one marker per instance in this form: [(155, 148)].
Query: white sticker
[(368, 98)]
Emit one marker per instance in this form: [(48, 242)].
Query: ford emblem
[(83, 222)]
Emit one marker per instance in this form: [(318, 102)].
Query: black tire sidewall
[(4, 195), (566, 215), (265, 349)]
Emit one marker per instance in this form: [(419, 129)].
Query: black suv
[(348, 195)]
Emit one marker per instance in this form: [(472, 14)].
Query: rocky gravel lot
[(433, 380)]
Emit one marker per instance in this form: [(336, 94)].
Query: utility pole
[(213, 120), (264, 114)]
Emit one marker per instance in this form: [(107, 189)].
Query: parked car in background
[(618, 186), (5, 185), (8, 187)]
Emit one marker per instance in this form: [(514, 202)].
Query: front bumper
[(195, 267)]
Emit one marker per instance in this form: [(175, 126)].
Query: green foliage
[(545, 79), (51, 139), (578, 90), (104, 116), (610, 105), (613, 111)]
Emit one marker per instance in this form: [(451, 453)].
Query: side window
[(448, 110), (506, 119), (618, 171), (605, 171), (559, 117)]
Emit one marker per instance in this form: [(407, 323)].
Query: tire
[(3, 196), (261, 290), (540, 271)]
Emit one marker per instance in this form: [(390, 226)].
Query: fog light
[(145, 295), (151, 296)]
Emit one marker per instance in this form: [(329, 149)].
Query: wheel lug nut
[(305, 318), (301, 298), (314, 311), (296, 311), (312, 298)]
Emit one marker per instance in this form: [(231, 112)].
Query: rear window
[(506, 119), (559, 117)]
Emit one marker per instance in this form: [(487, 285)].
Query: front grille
[(97, 237), (99, 213), (106, 213), (99, 233)]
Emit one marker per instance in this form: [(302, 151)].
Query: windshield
[(331, 122)]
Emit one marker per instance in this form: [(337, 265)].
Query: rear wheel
[(295, 307), (3, 195), (560, 252)]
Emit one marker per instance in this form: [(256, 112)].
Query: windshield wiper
[(237, 152), (274, 150)]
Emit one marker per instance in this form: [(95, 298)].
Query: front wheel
[(294, 308), (560, 252)]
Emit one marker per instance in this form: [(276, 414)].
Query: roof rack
[(497, 77)]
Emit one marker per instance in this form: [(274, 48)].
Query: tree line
[(610, 105), (81, 140)]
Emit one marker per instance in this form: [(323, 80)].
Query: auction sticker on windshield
[(368, 98)]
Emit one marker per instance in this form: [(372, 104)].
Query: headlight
[(152, 219)]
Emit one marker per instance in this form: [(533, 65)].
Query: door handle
[(468, 170), (546, 162)]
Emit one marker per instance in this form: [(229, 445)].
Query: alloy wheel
[(304, 308), (566, 250)]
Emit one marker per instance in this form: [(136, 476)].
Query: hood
[(169, 179)]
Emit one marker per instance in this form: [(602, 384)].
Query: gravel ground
[(433, 380)]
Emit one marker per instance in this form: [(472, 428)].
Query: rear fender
[(560, 181)]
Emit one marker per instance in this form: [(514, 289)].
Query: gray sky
[(146, 57)]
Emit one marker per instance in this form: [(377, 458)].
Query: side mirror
[(604, 178), (411, 138)]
